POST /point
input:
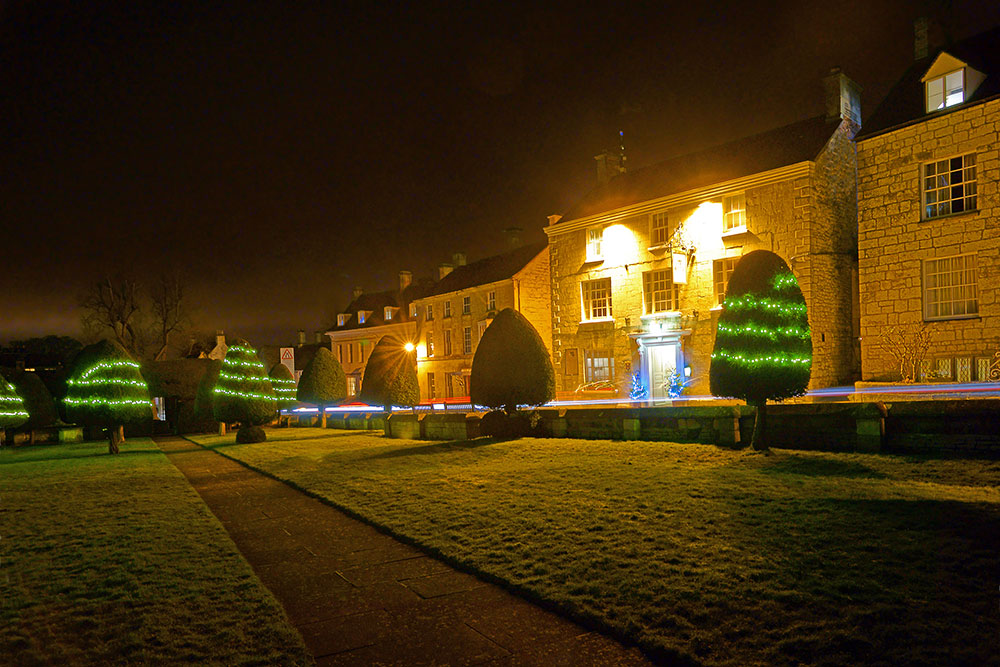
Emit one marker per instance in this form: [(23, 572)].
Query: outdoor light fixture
[(408, 347)]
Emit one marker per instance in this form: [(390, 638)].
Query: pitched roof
[(905, 102), (376, 302), (780, 147), (489, 270)]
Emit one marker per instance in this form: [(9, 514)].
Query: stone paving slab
[(360, 597)]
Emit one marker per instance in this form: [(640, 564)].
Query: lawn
[(693, 551), (115, 559)]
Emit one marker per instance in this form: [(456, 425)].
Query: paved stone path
[(361, 597)]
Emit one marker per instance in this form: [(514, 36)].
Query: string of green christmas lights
[(284, 389), (782, 281), (11, 405), (113, 388), (779, 359), (105, 401), (243, 393), (770, 306), (772, 333)]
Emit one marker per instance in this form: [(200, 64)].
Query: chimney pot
[(358, 291), (609, 165), (843, 97), (319, 336), (920, 43), (444, 270), (458, 259), (405, 278), (220, 337), (302, 336), (513, 235)]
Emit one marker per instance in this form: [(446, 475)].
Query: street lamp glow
[(408, 347)]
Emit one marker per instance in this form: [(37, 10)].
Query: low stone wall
[(832, 427), (46, 435), (968, 427), (449, 427)]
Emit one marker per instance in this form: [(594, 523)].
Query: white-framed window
[(363, 315), (659, 293), (596, 296), (722, 270), (491, 300), (430, 343), (447, 309), (658, 230), (946, 90), (388, 313), (447, 342), (734, 212), (950, 289), (429, 312), (430, 385), (352, 385), (350, 353), (598, 365), (342, 319), (949, 186), (467, 340), (466, 305), (595, 236), (482, 329)]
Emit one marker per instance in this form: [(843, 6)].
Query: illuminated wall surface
[(803, 212)]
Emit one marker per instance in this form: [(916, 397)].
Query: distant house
[(368, 318), (929, 212), (452, 317), (641, 264)]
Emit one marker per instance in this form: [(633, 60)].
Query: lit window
[(413, 310), (658, 229), (594, 238), (722, 269), (447, 342), (430, 343), (491, 301), (352, 385), (430, 385), (388, 313), (950, 186), (945, 91), (659, 293), (342, 319), (362, 316), (734, 212), (950, 287), (599, 366), (466, 305), (596, 299), (447, 309), (430, 312), (467, 340)]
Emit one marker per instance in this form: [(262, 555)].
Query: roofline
[(492, 282), (676, 199), (495, 283), (926, 117), (333, 334)]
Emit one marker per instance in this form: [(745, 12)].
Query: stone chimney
[(513, 235), (444, 270), (928, 36), (405, 278), (302, 336), (609, 165), (458, 259), (319, 336), (843, 97), (220, 338), (358, 292)]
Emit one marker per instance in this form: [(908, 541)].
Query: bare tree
[(908, 346), (113, 303), (169, 310)]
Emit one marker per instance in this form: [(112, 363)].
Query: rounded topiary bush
[(248, 434), (323, 382), (391, 375), (512, 365)]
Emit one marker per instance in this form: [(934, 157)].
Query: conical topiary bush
[(323, 382), (12, 411), (284, 386), (512, 366), (243, 393)]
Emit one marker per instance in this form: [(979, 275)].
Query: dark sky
[(278, 154)]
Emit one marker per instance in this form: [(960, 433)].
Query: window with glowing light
[(362, 316), (594, 238), (467, 340), (734, 212), (447, 342), (596, 295), (342, 319), (388, 312), (950, 287), (945, 91), (466, 305), (722, 270), (659, 293), (598, 366), (949, 186), (658, 229), (491, 301), (447, 309), (430, 343)]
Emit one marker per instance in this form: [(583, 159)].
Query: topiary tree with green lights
[(106, 390), (243, 393), (284, 386), (390, 375), (323, 382), (763, 347), (12, 411)]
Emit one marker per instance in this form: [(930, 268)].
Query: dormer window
[(595, 235), (342, 319), (946, 90), (363, 315), (734, 213), (388, 313)]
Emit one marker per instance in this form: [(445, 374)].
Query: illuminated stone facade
[(790, 191), (922, 262), (452, 317)]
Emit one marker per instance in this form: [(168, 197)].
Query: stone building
[(640, 265), (368, 318), (454, 314), (928, 212)]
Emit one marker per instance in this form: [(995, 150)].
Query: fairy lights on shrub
[(12, 412), (110, 384), (243, 392)]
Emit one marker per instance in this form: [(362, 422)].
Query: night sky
[(278, 154)]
